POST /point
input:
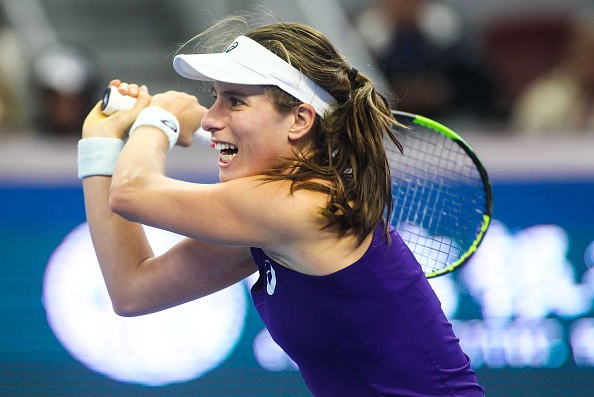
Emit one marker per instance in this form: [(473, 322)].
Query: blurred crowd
[(46, 93), (428, 58), (562, 98), (526, 77), (530, 75)]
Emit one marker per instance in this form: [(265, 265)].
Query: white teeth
[(225, 158), (221, 146)]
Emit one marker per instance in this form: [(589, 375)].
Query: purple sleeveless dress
[(374, 328)]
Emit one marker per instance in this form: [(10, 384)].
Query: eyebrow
[(229, 93)]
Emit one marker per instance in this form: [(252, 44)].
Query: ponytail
[(346, 145)]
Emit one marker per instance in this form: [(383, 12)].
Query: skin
[(221, 221)]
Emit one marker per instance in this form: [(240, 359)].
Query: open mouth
[(227, 151)]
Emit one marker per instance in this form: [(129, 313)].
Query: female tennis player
[(304, 188)]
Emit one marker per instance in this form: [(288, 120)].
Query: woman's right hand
[(186, 109), (97, 124)]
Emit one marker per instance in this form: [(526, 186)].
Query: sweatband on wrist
[(160, 118), (98, 156)]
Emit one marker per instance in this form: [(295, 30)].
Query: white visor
[(247, 62)]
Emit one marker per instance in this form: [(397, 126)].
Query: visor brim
[(217, 67)]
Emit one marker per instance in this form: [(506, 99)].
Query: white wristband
[(98, 156), (160, 118)]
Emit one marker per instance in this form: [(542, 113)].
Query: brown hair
[(346, 159)]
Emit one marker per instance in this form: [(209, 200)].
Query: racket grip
[(113, 101), (202, 136)]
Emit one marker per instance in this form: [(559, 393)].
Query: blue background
[(34, 220)]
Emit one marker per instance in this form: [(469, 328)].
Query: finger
[(123, 88), (133, 90), (96, 111), (97, 107), (143, 98), (125, 117)]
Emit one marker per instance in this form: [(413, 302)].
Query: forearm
[(118, 180), (120, 245), (138, 169), (139, 283)]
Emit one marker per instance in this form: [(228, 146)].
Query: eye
[(234, 101)]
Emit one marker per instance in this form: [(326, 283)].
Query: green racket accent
[(442, 129), (441, 192), (466, 256)]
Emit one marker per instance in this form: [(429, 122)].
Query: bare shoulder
[(300, 238), (272, 204)]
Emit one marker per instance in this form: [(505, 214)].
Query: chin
[(223, 178), (226, 175)]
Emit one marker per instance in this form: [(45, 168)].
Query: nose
[(212, 121)]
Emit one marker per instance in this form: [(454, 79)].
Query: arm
[(137, 281), (240, 212)]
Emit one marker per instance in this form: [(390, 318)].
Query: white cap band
[(247, 62)]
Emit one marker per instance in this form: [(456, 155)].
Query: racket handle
[(113, 101), (202, 136)]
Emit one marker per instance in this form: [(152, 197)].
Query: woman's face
[(250, 134)]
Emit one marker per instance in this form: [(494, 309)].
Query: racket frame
[(488, 210)]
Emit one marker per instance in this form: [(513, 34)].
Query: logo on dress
[(270, 277)]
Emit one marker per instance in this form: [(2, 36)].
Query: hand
[(186, 109), (117, 125)]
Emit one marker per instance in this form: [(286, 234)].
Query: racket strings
[(438, 197)]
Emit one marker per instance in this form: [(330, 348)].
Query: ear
[(305, 115)]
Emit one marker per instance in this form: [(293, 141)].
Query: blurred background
[(514, 78)]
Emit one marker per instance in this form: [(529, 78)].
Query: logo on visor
[(232, 47)]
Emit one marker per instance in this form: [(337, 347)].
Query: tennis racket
[(441, 194)]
